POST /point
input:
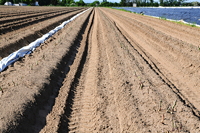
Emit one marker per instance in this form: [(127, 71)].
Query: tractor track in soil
[(59, 54), (107, 71), (175, 57)]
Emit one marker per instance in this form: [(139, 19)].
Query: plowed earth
[(21, 25), (107, 71)]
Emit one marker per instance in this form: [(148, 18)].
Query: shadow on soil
[(32, 120), (64, 124), (5, 51)]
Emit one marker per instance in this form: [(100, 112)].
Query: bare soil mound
[(29, 24)]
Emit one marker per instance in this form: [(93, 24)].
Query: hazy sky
[(90, 1)]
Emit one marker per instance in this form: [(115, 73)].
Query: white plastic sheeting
[(31, 47)]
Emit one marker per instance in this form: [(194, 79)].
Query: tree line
[(146, 3), (140, 3)]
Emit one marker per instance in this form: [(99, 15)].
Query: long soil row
[(176, 54), (115, 85), (8, 13), (19, 33), (30, 85), (21, 21)]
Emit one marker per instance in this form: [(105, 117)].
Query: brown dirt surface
[(107, 71), (28, 24)]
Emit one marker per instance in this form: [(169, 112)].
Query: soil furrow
[(68, 91), (75, 91), (14, 25), (24, 38), (157, 93), (153, 66), (31, 15), (16, 21), (108, 108), (9, 13), (162, 76), (29, 114), (82, 118), (164, 58), (107, 71), (185, 33)]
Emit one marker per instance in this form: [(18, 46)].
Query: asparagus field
[(106, 71)]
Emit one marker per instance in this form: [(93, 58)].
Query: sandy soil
[(23, 25), (107, 71)]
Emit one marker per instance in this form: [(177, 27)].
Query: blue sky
[(90, 1)]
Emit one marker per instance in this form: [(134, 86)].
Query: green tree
[(44, 2), (80, 3), (29, 2), (2, 2), (195, 3), (123, 3), (151, 1), (95, 3), (107, 4), (69, 2), (161, 3), (54, 2), (64, 2)]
